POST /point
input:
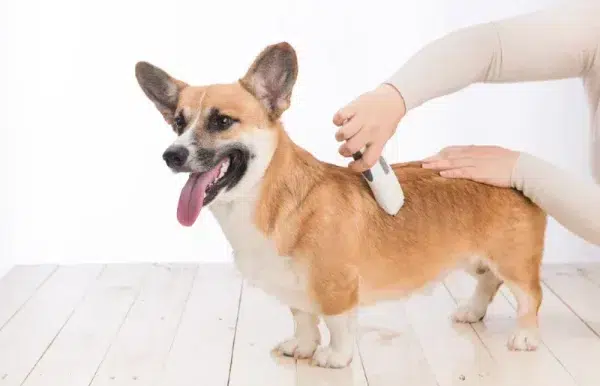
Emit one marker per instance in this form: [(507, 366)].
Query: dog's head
[(226, 133)]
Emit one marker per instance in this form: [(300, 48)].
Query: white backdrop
[(83, 178)]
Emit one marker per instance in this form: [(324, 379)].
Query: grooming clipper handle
[(384, 185)]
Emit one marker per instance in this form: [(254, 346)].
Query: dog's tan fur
[(324, 217)]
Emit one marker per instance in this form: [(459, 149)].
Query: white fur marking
[(306, 337), (193, 124), (186, 138), (256, 256), (476, 307), (524, 339), (340, 351), (262, 144)]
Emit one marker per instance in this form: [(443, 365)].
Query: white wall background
[(81, 167)]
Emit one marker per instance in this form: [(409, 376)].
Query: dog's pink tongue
[(192, 196)]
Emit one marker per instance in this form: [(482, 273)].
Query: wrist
[(393, 95), (516, 175)]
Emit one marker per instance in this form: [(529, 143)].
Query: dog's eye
[(179, 122), (220, 122), (225, 121)]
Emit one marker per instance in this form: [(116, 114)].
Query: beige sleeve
[(573, 201), (553, 43)]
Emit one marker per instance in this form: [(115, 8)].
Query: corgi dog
[(311, 234)]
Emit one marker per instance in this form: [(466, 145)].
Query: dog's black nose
[(176, 156)]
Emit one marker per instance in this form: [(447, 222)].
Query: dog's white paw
[(468, 314), (523, 340), (329, 358), (297, 348)]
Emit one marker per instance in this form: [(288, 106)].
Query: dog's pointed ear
[(161, 88), (272, 76)]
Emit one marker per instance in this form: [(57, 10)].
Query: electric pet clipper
[(384, 184)]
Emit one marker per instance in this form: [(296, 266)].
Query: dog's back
[(444, 223)]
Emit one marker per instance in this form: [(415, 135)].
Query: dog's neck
[(292, 173)]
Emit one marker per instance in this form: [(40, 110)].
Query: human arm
[(553, 43), (573, 201)]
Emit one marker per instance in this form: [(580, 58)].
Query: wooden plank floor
[(185, 324)]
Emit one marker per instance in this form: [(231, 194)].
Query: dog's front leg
[(336, 291), (342, 330), (306, 337)]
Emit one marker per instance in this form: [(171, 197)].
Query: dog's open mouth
[(202, 187)]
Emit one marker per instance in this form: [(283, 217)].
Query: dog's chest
[(256, 256)]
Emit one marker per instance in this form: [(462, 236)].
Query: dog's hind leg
[(522, 276), (528, 293)]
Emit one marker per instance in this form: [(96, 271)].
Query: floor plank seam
[(420, 345), (116, 334), (183, 309), (571, 309), (29, 298), (237, 319), (550, 350), (455, 300), (86, 293), (362, 362)]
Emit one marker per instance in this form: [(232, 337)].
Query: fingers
[(369, 158), (344, 114), (355, 143), (367, 122), (466, 172), (492, 165), (474, 173), (448, 163), (348, 130)]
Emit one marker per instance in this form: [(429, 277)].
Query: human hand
[(369, 121), (492, 165)]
